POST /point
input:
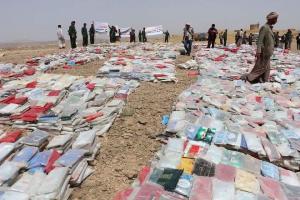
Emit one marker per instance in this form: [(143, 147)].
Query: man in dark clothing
[(244, 41), (132, 35), (112, 34), (286, 41), (250, 38), (73, 35), (225, 37), (276, 38), (288, 37), (298, 42), (92, 34), (84, 32), (144, 36), (212, 35), (167, 35), (140, 36)]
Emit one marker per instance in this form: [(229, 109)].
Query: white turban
[(272, 15)]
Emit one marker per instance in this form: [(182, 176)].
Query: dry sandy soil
[(131, 141)]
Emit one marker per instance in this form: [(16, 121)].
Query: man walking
[(73, 35), (60, 36), (225, 37), (84, 33), (212, 35), (188, 36), (92, 32), (265, 48)]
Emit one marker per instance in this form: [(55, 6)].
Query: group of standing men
[(73, 35), (142, 35)]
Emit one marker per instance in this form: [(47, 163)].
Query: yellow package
[(187, 165), (246, 181)]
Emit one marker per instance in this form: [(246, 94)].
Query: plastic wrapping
[(223, 190), (225, 173), (246, 181), (269, 170), (202, 188), (8, 172), (271, 188)]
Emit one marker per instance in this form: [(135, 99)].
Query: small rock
[(142, 121), (130, 174)]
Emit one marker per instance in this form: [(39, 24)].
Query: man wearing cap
[(188, 36), (265, 48)]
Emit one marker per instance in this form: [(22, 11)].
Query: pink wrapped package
[(147, 191), (202, 188), (123, 195), (271, 150), (272, 188), (225, 173)]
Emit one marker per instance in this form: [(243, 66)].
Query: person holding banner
[(112, 34), (85, 36), (188, 36), (73, 35), (144, 36), (92, 34)]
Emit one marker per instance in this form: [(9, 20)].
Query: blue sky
[(36, 20)]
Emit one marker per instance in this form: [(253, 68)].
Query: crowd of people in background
[(241, 37), (114, 35)]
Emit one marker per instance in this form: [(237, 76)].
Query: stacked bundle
[(64, 103), (141, 63), (237, 141)]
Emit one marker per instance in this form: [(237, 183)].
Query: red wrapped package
[(50, 165), (123, 195), (225, 173), (11, 137), (7, 99), (54, 93), (148, 191), (19, 100), (31, 84), (91, 117), (272, 188), (202, 188), (29, 71), (91, 86), (143, 174)]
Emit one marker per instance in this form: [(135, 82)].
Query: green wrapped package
[(169, 178), (205, 134)]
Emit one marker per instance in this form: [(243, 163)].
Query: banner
[(125, 32), (154, 30), (101, 27)]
